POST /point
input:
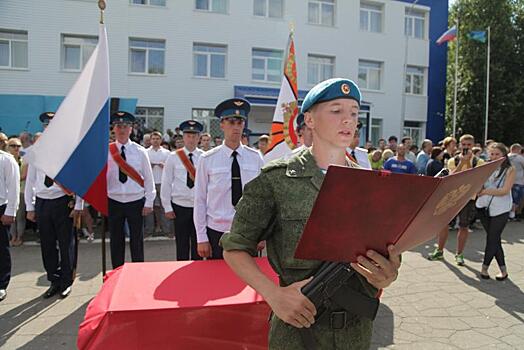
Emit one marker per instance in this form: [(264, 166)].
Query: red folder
[(357, 210)]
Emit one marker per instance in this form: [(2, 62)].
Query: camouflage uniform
[(275, 207)]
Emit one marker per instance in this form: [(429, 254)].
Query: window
[(149, 2), (151, 117), (414, 130), (219, 6), (371, 17), (147, 56), (321, 12), (320, 68), (415, 80), (76, 51), (206, 116), (268, 8), (267, 65), (370, 75), (13, 49), (209, 61), (376, 130), (415, 24)]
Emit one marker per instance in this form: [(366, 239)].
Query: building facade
[(176, 60)]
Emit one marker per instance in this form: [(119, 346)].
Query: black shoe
[(64, 292), (484, 277), (3, 294), (54, 289), (501, 277)]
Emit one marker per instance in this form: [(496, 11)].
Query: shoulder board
[(211, 151)]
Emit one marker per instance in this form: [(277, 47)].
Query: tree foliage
[(506, 97)]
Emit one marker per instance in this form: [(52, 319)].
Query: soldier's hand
[(146, 211), (378, 270), (7, 220), (170, 215), (204, 249), (291, 306), (261, 245), (31, 216)]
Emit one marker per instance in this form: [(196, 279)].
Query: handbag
[(485, 210)]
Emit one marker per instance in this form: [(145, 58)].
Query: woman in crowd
[(375, 159), (494, 204), (435, 163), (17, 229), (388, 153)]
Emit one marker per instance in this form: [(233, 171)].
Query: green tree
[(505, 19)]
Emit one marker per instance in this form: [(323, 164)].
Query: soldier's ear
[(308, 118)]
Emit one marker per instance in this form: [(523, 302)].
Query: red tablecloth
[(176, 305)]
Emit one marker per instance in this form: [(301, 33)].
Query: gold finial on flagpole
[(102, 7), (292, 27)]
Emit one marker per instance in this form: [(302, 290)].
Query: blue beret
[(331, 89), (46, 117), (122, 118), (191, 126), (234, 107)]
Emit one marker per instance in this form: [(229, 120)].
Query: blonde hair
[(387, 154)]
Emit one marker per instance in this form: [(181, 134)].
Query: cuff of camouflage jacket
[(231, 241)]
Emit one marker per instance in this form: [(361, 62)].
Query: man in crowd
[(178, 193), (49, 205), (423, 156), (9, 197), (130, 188), (357, 154), (450, 148), (382, 145), (263, 144), (305, 135), (517, 191), (146, 140), (408, 142), (217, 141), (392, 143), (205, 142), (399, 164), (465, 160), (245, 136), (26, 140), (3, 141), (157, 156), (221, 175)]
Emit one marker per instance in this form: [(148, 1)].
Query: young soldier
[(51, 210), (275, 207), (130, 188), (9, 198), (221, 176), (177, 190)]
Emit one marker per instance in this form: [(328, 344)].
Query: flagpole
[(456, 82), (487, 86), (102, 7)]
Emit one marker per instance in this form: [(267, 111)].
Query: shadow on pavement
[(19, 316), (508, 296), (382, 328)]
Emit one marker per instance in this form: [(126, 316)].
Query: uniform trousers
[(118, 213), (55, 225), (185, 233), (5, 255), (214, 239)]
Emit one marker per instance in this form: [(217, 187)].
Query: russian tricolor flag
[(73, 149), (449, 35)]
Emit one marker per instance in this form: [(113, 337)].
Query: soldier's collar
[(302, 165)]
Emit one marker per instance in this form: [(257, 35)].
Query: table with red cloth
[(176, 305)]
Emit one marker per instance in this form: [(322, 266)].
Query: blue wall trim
[(438, 24)]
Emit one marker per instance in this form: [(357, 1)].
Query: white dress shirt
[(157, 156), (213, 207), (361, 156), (9, 183), (129, 191), (174, 181)]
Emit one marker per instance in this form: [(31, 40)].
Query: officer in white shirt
[(157, 156), (131, 190), (221, 175), (178, 193), (50, 205), (9, 198), (357, 154)]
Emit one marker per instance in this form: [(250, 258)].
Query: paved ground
[(432, 305)]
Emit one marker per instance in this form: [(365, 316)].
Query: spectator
[(400, 164), (408, 142), (26, 140), (423, 156), (168, 135), (217, 141), (205, 142), (387, 154), (392, 143), (450, 147), (517, 191), (263, 144), (485, 153), (166, 145), (435, 164), (179, 142), (146, 140), (368, 145), (17, 230), (477, 151), (495, 204), (136, 135), (3, 141), (376, 161), (382, 144)]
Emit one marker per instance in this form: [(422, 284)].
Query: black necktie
[(189, 181), (236, 181), (48, 182), (353, 154), (121, 175)]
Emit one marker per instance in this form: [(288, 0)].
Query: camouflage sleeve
[(255, 213)]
